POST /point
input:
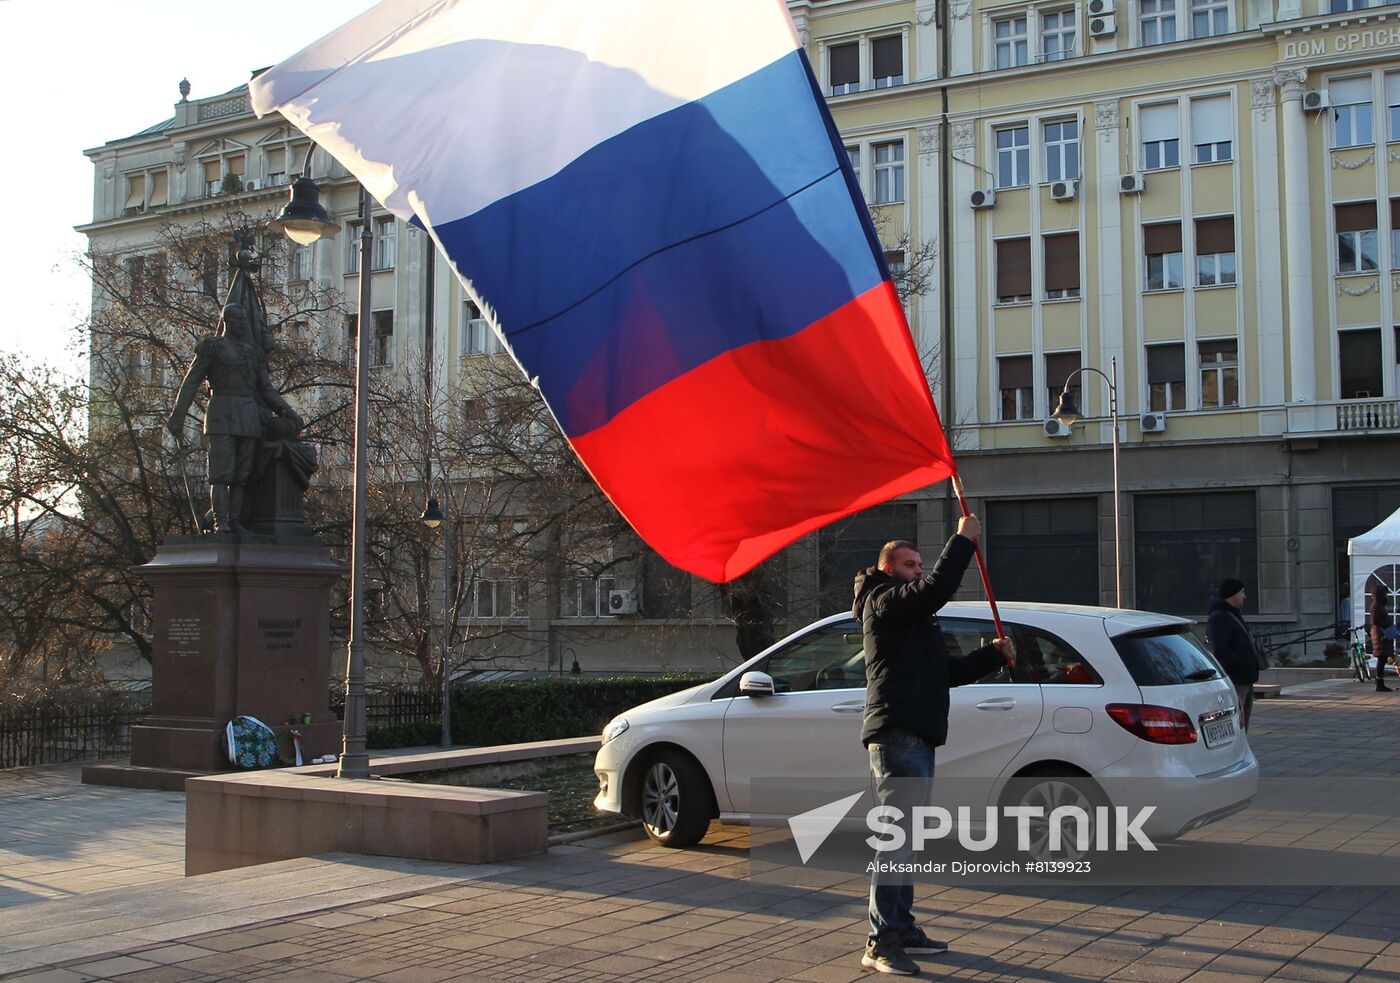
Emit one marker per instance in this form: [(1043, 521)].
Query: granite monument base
[(242, 628)]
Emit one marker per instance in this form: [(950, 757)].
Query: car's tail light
[(1160, 725)]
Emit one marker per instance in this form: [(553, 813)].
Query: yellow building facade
[(1198, 199)]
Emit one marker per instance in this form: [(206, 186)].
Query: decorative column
[(1298, 241), (961, 42), (925, 47), (1268, 262), (1112, 247), (925, 230), (968, 295)]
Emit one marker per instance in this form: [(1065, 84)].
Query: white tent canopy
[(1370, 552)]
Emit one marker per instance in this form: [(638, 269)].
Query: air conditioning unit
[(1103, 27), (1064, 190), (1131, 184), (1097, 8), (252, 185), (1153, 422), (1054, 428), (1315, 101), (983, 199), (622, 602)]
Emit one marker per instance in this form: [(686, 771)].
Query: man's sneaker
[(915, 941), (887, 956)]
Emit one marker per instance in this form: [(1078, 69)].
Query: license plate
[(1219, 731)]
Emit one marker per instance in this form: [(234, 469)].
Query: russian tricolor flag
[(650, 202)]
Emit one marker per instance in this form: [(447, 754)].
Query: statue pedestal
[(242, 627)]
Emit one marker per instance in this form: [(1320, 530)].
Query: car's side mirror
[(756, 684)]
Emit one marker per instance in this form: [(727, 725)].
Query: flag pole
[(981, 563)]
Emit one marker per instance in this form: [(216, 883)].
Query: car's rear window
[(1166, 657)]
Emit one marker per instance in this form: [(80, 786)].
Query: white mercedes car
[(1104, 697)]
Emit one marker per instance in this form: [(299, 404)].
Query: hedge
[(518, 710)]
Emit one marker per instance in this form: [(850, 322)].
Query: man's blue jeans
[(902, 764)]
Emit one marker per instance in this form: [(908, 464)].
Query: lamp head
[(303, 218), (1065, 410), (432, 515)]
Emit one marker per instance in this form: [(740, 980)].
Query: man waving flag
[(650, 202)]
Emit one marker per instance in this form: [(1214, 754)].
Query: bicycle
[(1357, 649)]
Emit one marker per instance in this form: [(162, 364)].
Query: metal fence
[(395, 708), (57, 733)]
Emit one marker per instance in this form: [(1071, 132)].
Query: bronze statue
[(244, 410)]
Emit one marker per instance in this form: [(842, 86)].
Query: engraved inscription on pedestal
[(279, 633), (183, 636)]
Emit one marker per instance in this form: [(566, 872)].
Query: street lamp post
[(432, 517), (1067, 413), (304, 221)]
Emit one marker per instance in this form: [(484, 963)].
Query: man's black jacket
[(1232, 643), (907, 667)]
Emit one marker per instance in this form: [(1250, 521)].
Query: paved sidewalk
[(617, 909)]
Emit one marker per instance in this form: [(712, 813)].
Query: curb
[(561, 839)]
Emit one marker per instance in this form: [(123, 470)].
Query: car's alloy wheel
[(1054, 792), (676, 800)]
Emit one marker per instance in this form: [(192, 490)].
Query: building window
[(385, 242), (887, 61), (1359, 364), (1162, 246), (849, 545), (1157, 21), (1161, 132), (889, 172), (1210, 18), (146, 190), (1211, 131), (276, 158), (1351, 111), (1057, 29), (843, 67), (299, 263), (1356, 237), (224, 174), (1013, 270), (477, 336), (1392, 103), (853, 154), (352, 247), (1220, 378), (383, 352), (1215, 251), (1395, 233), (666, 591), (1059, 366), (500, 598), (1015, 386), (1013, 156), (1166, 378), (586, 597), (1012, 44), (1345, 6), (1184, 545), (1045, 549), (1062, 266), (209, 273), (1061, 150)]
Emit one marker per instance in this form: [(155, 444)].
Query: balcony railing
[(1340, 416)]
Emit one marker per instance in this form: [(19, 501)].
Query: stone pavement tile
[(1151, 971), (332, 919), (271, 952), (1323, 965), (1384, 964), (112, 966), (1247, 963), (1210, 976), (177, 953), (848, 972), (622, 963), (158, 974), (1097, 969), (1352, 944), (1219, 930), (421, 974), (53, 975), (558, 936)]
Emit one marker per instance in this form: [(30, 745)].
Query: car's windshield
[(1166, 656)]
